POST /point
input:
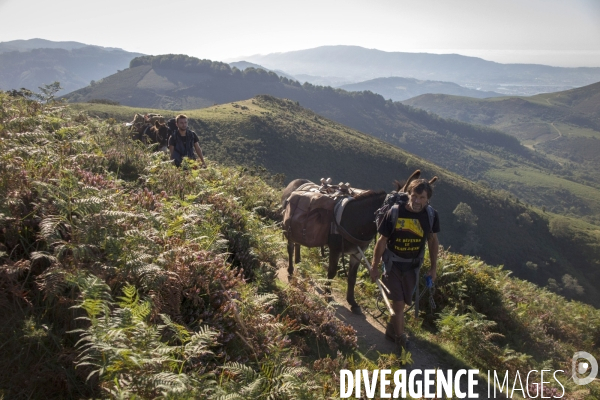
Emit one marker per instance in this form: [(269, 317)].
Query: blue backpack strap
[(431, 215), (394, 215)]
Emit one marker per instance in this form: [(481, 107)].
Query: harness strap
[(351, 238), (392, 257)]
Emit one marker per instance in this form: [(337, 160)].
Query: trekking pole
[(380, 284)]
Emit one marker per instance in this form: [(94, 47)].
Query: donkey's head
[(158, 133), (400, 187)]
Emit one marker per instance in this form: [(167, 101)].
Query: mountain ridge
[(74, 65), (360, 64), (398, 89), (38, 43)]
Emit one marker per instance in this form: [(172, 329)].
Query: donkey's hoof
[(356, 310)]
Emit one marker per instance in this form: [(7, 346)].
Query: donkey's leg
[(334, 242), (352, 272), (297, 253), (334, 256), (322, 251), (290, 250)]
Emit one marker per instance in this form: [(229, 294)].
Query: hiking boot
[(401, 343), (390, 333)]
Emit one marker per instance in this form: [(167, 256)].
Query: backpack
[(394, 201), (393, 198)]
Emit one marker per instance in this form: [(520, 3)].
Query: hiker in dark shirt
[(184, 143), (402, 248)]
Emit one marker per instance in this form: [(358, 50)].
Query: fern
[(121, 344)]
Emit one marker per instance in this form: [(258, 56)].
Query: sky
[(562, 33)]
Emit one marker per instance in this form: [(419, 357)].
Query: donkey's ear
[(414, 175), (434, 179)]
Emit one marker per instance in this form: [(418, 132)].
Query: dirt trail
[(559, 132), (371, 337)]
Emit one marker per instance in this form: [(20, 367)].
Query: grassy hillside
[(122, 276), (284, 138), (554, 123), (181, 82), (564, 127)]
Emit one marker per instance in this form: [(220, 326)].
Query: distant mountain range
[(357, 64), (393, 88), (404, 88), (180, 82), (33, 63)]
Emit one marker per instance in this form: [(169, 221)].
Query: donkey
[(157, 133), (357, 223), (150, 128)]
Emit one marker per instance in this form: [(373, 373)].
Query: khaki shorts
[(401, 284)]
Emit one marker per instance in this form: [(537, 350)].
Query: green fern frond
[(131, 296), (91, 200), (180, 331), (122, 214), (266, 299), (43, 255), (170, 383), (230, 396), (140, 310), (52, 228), (53, 281), (248, 374)]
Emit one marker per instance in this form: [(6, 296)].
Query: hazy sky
[(553, 32)]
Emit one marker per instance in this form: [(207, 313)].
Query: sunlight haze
[(552, 32)]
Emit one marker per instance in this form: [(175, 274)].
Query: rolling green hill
[(579, 107), (563, 126), (284, 138), (478, 153)]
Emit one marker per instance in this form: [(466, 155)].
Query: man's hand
[(432, 273), (374, 273)]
